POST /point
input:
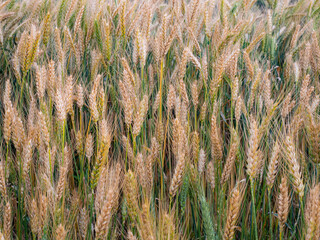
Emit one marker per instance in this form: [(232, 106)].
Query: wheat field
[(159, 119)]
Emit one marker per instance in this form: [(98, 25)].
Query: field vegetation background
[(176, 119)]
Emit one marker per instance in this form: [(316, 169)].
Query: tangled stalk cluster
[(176, 119)]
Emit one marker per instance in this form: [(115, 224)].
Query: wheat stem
[(270, 214), (253, 212)]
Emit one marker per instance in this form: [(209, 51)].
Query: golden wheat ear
[(130, 236), (146, 228), (231, 158), (140, 116), (61, 233), (210, 175), (103, 220), (7, 221), (294, 167), (234, 207), (131, 193), (283, 203), (253, 160), (34, 216), (215, 140), (80, 95), (61, 107), (171, 97), (177, 176), (273, 165), (312, 212)]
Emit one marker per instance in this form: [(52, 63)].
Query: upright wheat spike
[(295, 36), (105, 135), (283, 204), (288, 105), (238, 108), (83, 222), (177, 176), (61, 107), (235, 90), (68, 94), (43, 211), (210, 174), (168, 230), (80, 96), (78, 20), (201, 161), (146, 228), (219, 67), (93, 98), (215, 140), (104, 218), (312, 213), (7, 221), (40, 81), (143, 108), (195, 93), (128, 149), (7, 123), (253, 161), (131, 193), (34, 216), (27, 157), (171, 97), (3, 186), (233, 213), (203, 111), (89, 146), (230, 159), (294, 168), (79, 141), (305, 91), (61, 233), (44, 133), (102, 188), (61, 183), (18, 133), (131, 236), (141, 170), (195, 146)]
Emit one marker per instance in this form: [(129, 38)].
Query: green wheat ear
[(184, 193), (61, 12), (46, 29), (96, 172), (204, 207), (206, 216), (98, 35), (113, 95)]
